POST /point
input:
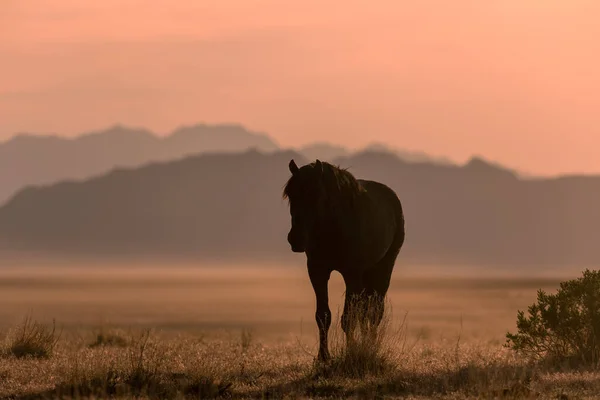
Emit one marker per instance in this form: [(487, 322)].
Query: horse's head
[(321, 196), (305, 194)]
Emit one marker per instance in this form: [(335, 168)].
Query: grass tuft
[(246, 338), (109, 338), (32, 339), (368, 351)]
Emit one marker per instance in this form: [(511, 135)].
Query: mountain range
[(228, 207), (29, 159), (327, 151)]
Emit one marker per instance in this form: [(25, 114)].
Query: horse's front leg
[(319, 278)]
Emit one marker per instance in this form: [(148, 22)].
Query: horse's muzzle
[(296, 248)]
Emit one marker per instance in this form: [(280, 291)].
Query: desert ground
[(198, 331)]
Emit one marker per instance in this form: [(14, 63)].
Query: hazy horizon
[(513, 81)]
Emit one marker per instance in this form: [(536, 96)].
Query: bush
[(32, 339), (564, 326)]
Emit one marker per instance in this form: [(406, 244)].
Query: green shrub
[(564, 326)]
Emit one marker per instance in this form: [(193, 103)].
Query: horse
[(352, 226)]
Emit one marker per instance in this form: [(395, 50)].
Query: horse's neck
[(337, 223)]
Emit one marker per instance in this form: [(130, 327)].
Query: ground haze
[(270, 300)]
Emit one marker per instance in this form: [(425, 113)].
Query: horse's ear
[(319, 165), (293, 167)]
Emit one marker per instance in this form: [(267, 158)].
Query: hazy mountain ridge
[(229, 207), (29, 159), (328, 151)]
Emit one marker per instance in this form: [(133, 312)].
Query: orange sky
[(515, 81)]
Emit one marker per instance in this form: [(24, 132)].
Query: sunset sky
[(515, 81)]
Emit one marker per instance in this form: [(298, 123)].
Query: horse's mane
[(339, 185)]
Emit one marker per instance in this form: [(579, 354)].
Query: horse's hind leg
[(352, 304), (376, 290), (377, 282)]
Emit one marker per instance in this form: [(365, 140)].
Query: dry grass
[(153, 366), (110, 337), (368, 353), (31, 339), (253, 358)]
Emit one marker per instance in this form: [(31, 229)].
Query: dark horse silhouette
[(349, 225)]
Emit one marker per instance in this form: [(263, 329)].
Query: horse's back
[(382, 194)]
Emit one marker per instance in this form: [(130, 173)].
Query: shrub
[(564, 326), (32, 339)]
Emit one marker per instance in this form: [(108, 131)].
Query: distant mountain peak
[(379, 147), (329, 151), (479, 164)]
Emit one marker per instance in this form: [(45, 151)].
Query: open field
[(250, 332)]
